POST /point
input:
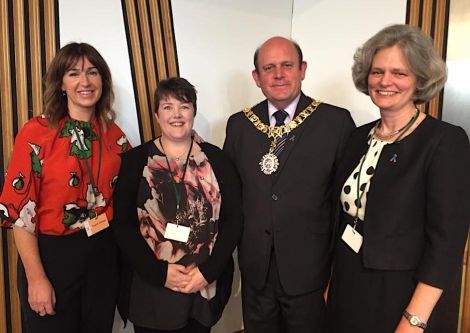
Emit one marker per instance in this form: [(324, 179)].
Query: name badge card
[(177, 232), (352, 238), (95, 225)]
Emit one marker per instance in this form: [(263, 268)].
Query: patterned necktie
[(280, 116)]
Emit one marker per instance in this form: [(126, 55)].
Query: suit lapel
[(293, 137), (261, 110)]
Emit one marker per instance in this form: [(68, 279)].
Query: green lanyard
[(178, 192), (407, 127), (359, 196), (90, 172)]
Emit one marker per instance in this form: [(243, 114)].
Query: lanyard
[(90, 172), (178, 192), (407, 127), (360, 195)]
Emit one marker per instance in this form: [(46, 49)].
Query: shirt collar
[(290, 109)]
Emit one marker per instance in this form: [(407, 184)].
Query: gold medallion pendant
[(269, 162)]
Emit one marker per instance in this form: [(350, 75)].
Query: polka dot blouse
[(366, 167)]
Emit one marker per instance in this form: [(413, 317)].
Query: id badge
[(177, 232), (95, 225), (353, 238)]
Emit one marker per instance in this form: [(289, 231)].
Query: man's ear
[(255, 75), (303, 69)]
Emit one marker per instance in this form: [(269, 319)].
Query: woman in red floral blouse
[(58, 197)]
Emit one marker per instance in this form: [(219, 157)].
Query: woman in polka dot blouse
[(402, 189)]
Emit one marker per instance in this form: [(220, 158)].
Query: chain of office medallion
[(278, 131)]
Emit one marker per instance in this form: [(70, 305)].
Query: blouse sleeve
[(448, 211), (19, 199), (125, 224)]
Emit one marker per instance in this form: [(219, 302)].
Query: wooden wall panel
[(7, 143), (5, 82), (3, 315), (51, 29), (147, 50), (20, 62), (15, 307), (168, 35), (6, 138), (36, 56), (138, 76), (432, 17), (150, 36), (158, 42), (28, 42)]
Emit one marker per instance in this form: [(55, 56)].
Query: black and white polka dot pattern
[(349, 198)]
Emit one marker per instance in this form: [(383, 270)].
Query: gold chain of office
[(276, 132), (269, 161)]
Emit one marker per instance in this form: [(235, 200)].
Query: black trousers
[(193, 326), (271, 310), (83, 273)]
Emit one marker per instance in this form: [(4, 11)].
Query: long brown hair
[(55, 102)]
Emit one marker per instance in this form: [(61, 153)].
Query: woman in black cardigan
[(177, 222), (403, 189)]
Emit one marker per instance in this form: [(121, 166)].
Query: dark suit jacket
[(290, 210), (417, 211)]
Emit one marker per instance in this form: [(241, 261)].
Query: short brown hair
[(178, 88)]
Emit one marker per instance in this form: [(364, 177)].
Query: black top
[(417, 215)]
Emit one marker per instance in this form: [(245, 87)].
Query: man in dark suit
[(286, 177)]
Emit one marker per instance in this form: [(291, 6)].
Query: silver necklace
[(176, 158)]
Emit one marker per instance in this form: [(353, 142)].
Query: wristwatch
[(414, 320)]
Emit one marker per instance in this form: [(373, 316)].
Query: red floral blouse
[(48, 189)]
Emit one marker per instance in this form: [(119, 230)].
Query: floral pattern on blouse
[(199, 207), (47, 188)]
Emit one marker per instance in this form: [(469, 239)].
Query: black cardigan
[(137, 255), (417, 212)]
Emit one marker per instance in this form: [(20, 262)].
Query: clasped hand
[(184, 279)]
